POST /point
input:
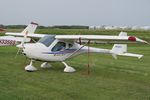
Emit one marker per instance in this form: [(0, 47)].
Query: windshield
[(47, 40)]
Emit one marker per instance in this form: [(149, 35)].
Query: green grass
[(123, 79)]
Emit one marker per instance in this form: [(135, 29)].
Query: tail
[(30, 29), (121, 49), (22, 37)]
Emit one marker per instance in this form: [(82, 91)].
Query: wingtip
[(146, 42), (142, 41), (140, 56)]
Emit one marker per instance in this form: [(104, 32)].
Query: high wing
[(118, 39)]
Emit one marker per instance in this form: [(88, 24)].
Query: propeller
[(18, 52), (21, 46), (80, 42)]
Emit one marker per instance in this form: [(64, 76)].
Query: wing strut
[(88, 63), (88, 66)]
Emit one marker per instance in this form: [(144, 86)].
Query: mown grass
[(122, 79)]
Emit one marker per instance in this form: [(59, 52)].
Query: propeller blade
[(21, 46)]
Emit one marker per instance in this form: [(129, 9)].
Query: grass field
[(123, 79)]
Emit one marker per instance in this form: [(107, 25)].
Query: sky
[(76, 12)]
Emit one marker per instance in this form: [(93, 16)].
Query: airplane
[(59, 48), (12, 40), (1, 30)]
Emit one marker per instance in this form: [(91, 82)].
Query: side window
[(59, 46), (70, 45)]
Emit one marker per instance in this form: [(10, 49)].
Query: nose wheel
[(46, 65), (30, 67)]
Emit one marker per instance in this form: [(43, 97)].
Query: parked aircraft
[(52, 48), (12, 40)]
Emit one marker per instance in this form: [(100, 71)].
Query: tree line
[(45, 27)]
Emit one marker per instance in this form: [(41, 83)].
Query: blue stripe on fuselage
[(62, 52)]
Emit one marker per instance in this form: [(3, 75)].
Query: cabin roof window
[(47, 40)]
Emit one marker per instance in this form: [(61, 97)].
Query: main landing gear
[(31, 68), (68, 69)]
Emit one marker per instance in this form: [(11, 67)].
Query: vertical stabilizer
[(120, 48), (30, 29)]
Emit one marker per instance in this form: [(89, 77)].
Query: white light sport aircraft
[(12, 40), (52, 48)]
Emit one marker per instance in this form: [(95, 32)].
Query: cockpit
[(47, 40), (59, 46)]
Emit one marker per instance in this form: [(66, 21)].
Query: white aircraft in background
[(52, 48), (12, 40)]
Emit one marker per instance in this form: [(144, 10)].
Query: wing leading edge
[(118, 39), (101, 38)]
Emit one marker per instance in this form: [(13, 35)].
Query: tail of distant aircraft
[(30, 28), (121, 49), (22, 37)]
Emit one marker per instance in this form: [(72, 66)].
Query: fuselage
[(7, 41), (51, 49), (39, 51)]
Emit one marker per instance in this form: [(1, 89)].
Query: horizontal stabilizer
[(121, 49), (131, 55)]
